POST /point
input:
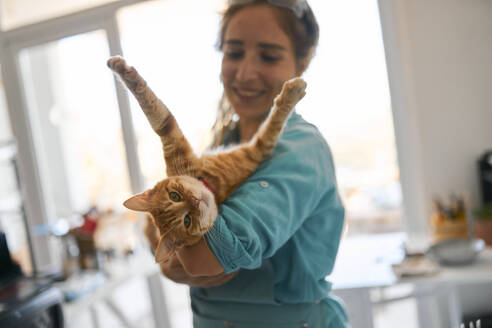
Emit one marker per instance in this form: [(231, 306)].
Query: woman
[(264, 261)]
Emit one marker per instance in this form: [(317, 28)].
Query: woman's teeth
[(248, 93)]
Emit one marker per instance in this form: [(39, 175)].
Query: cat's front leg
[(127, 73), (292, 92), (179, 157), (156, 112), (265, 139)]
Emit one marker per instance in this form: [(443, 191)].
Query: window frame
[(397, 45), (39, 205)]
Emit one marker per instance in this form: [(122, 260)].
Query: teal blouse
[(281, 228)]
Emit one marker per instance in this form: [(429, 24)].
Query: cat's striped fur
[(223, 171)]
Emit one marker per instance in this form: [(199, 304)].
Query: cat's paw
[(118, 65), (127, 73), (293, 90)]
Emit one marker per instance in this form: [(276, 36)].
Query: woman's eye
[(175, 197), (269, 58), (187, 220), (234, 54)]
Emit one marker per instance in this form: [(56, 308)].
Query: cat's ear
[(164, 250), (140, 202)]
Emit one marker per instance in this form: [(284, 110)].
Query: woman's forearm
[(174, 270), (198, 260), (195, 265)]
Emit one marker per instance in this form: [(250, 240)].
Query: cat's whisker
[(200, 225), (174, 222), (170, 225)]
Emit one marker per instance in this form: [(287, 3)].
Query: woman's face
[(258, 57)]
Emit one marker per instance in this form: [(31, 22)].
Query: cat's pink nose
[(195, 201)]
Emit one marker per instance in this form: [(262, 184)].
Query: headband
[(298, 7)]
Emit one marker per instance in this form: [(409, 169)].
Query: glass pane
[(73, 102), (5, 130), (348, 95), (182, 69), (348, 99), (7, 174), (11, 220), (15, 13)]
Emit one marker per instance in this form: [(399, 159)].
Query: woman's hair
[(303, 33)]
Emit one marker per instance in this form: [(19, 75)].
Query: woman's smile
[(248, 94)]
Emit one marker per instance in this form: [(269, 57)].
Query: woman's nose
[(247, 70)]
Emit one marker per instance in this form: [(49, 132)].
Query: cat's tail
[(157, 113)]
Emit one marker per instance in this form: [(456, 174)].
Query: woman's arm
[(195, 265), (174, 270), (270, 206), (198, 260)]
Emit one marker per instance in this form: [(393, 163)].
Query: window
[(72, 101), (16, 13), (182, 68), (5, 130), (348, 96), (11, 215), (348, 99)]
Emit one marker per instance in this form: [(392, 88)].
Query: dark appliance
[(485, 171), (27, 302)]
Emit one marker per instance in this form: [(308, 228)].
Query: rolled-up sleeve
[(268, 208)]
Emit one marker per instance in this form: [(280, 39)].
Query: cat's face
[(183, 210)]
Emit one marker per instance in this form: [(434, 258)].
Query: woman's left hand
[(174, 270), (198, 260), (194, 265)]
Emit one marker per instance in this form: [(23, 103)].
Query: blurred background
[(82, 146)]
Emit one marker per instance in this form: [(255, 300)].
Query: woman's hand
[(205, 269), (199, 260), (174, 270)]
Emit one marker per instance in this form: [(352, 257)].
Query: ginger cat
[(184, 205)]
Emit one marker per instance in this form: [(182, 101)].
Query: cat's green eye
[(187, 220), (175, 197)]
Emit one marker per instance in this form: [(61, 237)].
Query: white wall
[(440, 55)]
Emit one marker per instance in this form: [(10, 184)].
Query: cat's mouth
[(204, 204), (206, 208)]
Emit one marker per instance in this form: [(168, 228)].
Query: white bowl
[(456, 251)]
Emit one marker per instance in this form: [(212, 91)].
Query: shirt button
[(264, 184), (304, 325)]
